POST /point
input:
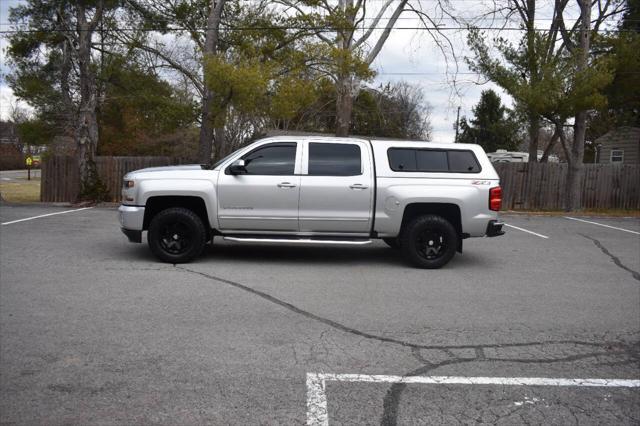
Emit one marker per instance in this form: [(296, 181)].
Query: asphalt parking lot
[(94, 331)]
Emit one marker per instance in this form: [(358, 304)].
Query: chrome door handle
[(358, 186), (286, 185)]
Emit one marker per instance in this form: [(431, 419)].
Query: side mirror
[(237, 168)]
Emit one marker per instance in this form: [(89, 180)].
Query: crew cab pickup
[(419, 197)]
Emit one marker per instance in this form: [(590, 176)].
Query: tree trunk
[(576, 166), (68, 113), (534, 130), (552, 142), (87, 128), (206, 129), (222, 149), (344, 106), (212, 36), (532, 59), (344, 88)]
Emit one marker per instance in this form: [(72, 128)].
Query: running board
[(296, 241)]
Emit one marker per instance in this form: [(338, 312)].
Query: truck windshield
[(217, 163)]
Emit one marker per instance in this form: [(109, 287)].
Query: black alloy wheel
[(176, 238), (429, 241), (431, 244)]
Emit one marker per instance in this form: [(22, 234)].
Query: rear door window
[(334, 159)]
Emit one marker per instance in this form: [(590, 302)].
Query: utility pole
[(457, 125)]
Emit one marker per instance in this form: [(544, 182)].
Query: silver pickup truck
[(421, 198)]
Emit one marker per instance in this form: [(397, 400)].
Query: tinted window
[(334, 159), (402, 159), (276, 159), (463, 162), (432, 160)]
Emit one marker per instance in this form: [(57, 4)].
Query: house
[(11, 157), (620, 145), (8, 133)]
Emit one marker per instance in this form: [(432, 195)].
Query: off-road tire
[(176, 235), (429, 241)]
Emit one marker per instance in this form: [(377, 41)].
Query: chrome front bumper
[(131, 221)]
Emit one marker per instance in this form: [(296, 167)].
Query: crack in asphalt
[(392, 398), (634, 274), (346, 329), (391, 402)]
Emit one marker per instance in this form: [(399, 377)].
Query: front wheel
[(429, 241), (176, 235)]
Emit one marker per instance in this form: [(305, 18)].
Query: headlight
[(128, 184)]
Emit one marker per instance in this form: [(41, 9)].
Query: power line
[(314, 29), (407, 18), (465, 73)]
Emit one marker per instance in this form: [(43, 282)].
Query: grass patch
[(21, 191)]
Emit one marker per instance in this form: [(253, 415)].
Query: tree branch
[(373, 25), (97, 16), (195, 80), (385, 34)]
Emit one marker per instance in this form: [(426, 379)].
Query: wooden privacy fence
[(537, 186), (61, 182), (525, 186)]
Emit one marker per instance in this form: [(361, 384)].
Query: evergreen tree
[(492, 126)]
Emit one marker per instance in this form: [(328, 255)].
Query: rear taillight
[(495, 198)]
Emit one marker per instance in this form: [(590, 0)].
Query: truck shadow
[(376, 254), (236, 253)]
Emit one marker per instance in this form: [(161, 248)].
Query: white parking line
[(317, 410), (602, 224), (527, 231), (45, 215)]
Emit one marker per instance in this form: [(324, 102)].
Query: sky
[(410, 55), (6, 94)]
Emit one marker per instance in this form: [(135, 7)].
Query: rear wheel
[(429, 241), (176, 235)]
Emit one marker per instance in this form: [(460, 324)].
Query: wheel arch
[(158, 203), (449, 211)]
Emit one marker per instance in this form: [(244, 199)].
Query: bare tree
[(202, 27), (220, 34), (412, 110), (352, 39)]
